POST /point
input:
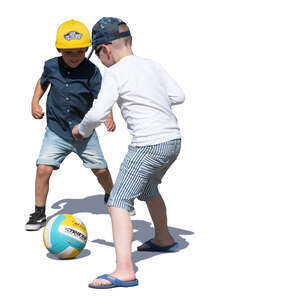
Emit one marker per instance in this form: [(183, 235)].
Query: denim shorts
[(55, 149), (141, 171)]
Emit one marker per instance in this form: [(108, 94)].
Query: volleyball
[(65, 236)]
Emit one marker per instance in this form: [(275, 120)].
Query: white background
[(233, 194)]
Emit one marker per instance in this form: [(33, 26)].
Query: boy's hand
[(110, 124), (37, 111), (76, 134)]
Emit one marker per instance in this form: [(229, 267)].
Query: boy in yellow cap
[(75, 83)]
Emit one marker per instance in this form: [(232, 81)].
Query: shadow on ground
[(143, 230), (92, 204), (82, 254)]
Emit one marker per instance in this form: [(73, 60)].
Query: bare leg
[(158, 212), (104, 178), (122, 235), (43, 174)]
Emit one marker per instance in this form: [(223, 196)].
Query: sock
[(106, 197), (40, 209)]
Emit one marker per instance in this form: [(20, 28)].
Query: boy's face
[(73, 57)]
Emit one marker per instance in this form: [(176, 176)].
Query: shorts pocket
[(152, 165)]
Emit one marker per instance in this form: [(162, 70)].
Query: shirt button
[(67, 98), (67, 84), (68, 110), (70, 122), (68, 73)]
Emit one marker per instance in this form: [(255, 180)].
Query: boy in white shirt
[(145, 93)]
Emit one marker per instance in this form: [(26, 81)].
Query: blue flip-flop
[(155, 248), (115, 282)]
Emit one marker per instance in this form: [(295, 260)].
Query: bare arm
[(109, 123), (39, 91)]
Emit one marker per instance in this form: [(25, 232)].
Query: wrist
[(34, 102)]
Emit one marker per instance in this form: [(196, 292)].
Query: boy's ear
[(106, 50)]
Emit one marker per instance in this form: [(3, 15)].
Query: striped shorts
[(141, 172)]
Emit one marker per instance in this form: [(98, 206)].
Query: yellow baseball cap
[(72, 34)]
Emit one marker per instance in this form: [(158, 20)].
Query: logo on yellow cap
[(73, 35)]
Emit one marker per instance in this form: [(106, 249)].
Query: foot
[(161, 243), (129, 276), (36, 221)]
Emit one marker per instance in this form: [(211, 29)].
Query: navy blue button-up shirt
[(71, 95)]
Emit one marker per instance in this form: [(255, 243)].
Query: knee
[(100, 172), (44, 171)]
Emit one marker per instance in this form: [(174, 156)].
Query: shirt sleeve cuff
[(85, 132)]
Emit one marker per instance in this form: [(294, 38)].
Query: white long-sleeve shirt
[(145, 93)]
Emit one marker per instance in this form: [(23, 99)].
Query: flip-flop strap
[(150, 244), (113, 280), (154, 246)]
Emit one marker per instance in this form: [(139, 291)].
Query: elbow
[(178, 100), (181, 98)]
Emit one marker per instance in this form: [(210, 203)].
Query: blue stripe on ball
[(57, 240), (74, 243)]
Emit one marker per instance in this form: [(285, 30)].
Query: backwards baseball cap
[(106, 30)]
